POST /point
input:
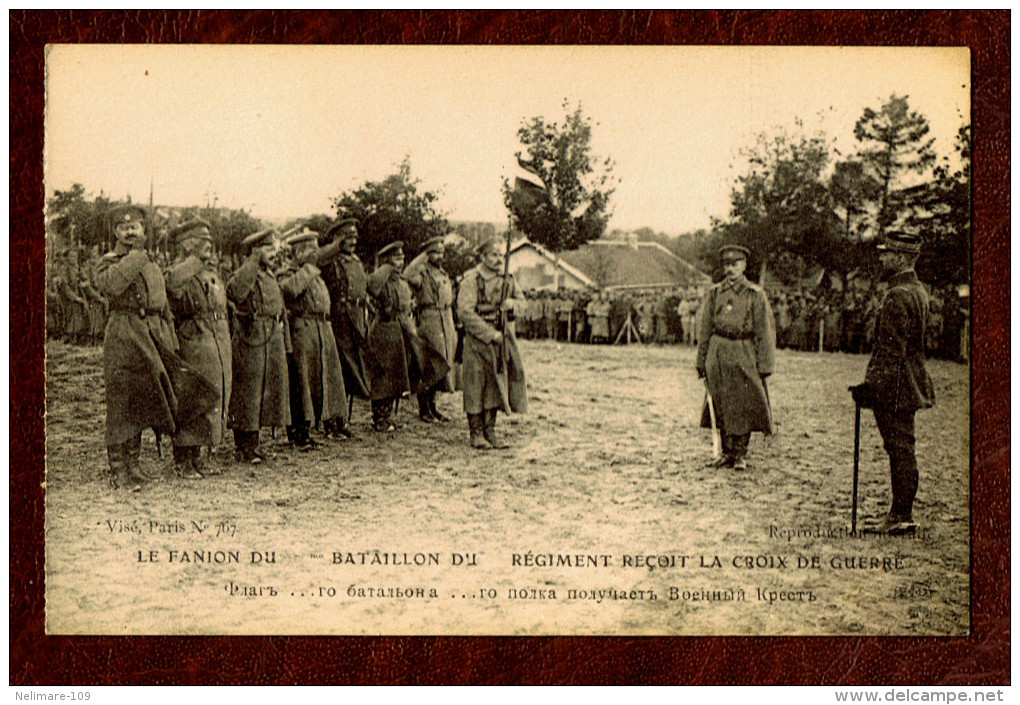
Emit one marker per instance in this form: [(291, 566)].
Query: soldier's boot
[(245, 447), (184, 463), (118, 466), (476, 427), (489, 430), (435, 412), (424, 408), (381, 411), (136, 478)]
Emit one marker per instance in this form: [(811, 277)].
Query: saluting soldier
[(260, 395), (400, 363), (346, 282), (736, 352), (198, 300), (433, 292), (318, 391), (139, 393), (897, 383), (492, 370)]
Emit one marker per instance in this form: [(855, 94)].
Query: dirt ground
[(601, 519)]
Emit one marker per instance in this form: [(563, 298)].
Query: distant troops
[(493, 370), (198, 300), (598, 319), (260, 394), (897, 383), (317, 391), (433, 293), (533, 314), (139, 393), (736, 351), (346, 282)]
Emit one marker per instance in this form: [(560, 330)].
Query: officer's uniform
[(260, 396), (317, 383), (139, 393), (433, 293), (346, 282), (897, 383), (198, 300), (736, 351)]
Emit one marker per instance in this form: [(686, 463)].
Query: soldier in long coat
[(433, 293), (139, 393), (897, 383), (198, 300), (98, 307), (317, 391), (346, 282), (736, 351), (260, 395), (493, 370), (399, 363)]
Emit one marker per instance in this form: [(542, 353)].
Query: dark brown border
[(982, 658)]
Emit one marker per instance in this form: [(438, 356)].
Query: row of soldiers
[(289, 341), (832, 321)]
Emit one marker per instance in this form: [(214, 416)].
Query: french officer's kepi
[(262, 237), (127, 213), (898, 241), (339, 230), (738, 250), (191, 229), (394, 248)]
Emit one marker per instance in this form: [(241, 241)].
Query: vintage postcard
[(601, 386)]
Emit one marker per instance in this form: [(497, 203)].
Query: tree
[(577, 184), (941, 212), (894, 143), (396, 208), (781, 206)]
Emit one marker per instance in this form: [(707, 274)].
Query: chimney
[(632, 240)]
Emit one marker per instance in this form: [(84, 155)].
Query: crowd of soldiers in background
[(830, 322)]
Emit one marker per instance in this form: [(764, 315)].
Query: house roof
[(564, 265), (633, 265)]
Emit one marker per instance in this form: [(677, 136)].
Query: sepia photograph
[(507, 341)]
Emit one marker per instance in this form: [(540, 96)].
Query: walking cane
[(716, 446), (857, 464)]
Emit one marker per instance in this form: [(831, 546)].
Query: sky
[(280, 130)]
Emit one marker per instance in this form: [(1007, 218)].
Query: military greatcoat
[(434, 294), (320, 380), (199, 303), (139, 393), (400, 362), (347, 285), (736, 348), (260, 395), (490, 383)]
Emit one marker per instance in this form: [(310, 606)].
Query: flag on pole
[(529, 189)]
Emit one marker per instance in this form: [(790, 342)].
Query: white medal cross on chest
[(728, 307)]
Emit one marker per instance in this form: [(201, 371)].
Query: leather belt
[(312, 315), (141, 312), (734, 336)]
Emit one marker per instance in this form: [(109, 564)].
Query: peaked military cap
[(190, 229), (487, 245), (304, 235), (127, 213), (742, 251), (262, 237), (433, 242), (898, 241), (338, 228), (394, 248)]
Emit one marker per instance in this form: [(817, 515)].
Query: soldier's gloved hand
[(498, 339), (862, 395)]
